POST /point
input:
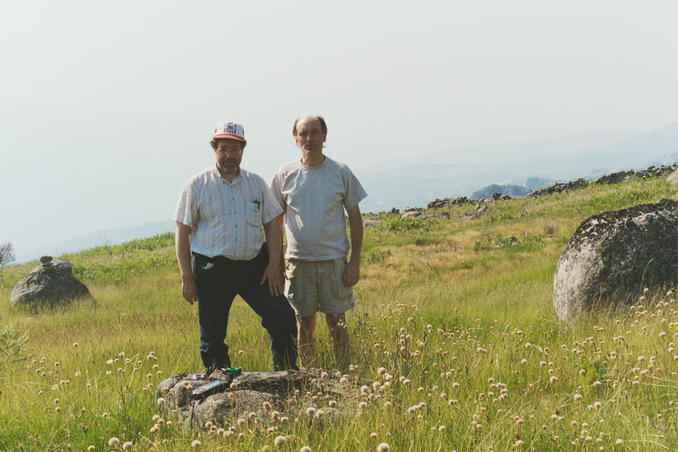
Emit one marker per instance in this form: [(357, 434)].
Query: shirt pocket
[(253, 214)]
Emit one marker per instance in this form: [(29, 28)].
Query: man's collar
[(237, 177), (323, 159)]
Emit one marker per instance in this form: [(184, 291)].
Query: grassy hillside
[(457, 312)]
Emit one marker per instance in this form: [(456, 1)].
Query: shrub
[(378, 256), (11, 345), (400, 224), (6, 256)]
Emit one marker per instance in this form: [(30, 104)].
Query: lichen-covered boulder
[(219, 406), (51, 282), (187, 398), (244, 394), (612, 256)]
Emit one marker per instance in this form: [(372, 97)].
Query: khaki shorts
[(314, 286)]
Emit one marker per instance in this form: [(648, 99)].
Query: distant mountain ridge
[(531, 184), (112, 236), (462, 172), (511, 190)]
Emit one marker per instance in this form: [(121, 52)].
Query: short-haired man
[(219, 221), (314, 192)]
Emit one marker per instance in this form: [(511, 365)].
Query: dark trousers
[(219, 280)]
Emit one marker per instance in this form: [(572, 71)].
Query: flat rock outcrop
[(480, 210), (250, 392), (448, 202), (418, 213), (52, 282), (652, 171), (412, 212), (560, 187), (612, 256), (490, 192)]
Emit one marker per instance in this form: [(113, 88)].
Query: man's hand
[(189, 290), (352, 273), (273, 275), (183, 249), (355, 222)]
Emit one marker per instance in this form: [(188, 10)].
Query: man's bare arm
[(182, 242), (273, 272), (355, 222), (282, 237)]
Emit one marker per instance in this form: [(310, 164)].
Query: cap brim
[(228, 137)]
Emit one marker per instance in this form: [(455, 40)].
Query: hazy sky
[(106, 107)]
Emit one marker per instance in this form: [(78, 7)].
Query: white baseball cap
[(230, 130)]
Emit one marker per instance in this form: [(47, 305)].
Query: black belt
[(224, 259)]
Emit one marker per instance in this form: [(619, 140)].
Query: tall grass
[(453, 338)]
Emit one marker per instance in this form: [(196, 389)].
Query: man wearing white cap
[(219, 221), (315, 191)]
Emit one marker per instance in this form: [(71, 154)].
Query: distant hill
[(534, 183), (461, 171), (113, 236), (511, 190), (531, 184)]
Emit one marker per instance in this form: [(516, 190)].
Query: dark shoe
[(218, 374), (223, 373)]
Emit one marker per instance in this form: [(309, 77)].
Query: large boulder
[(51, 282), (612, 256)]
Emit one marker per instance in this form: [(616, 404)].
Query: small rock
[(615, 178), (673, 177), (448, 202), (481, 209), (560, 187)]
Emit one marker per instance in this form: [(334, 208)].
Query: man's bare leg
[(306, 339), (339, 334)]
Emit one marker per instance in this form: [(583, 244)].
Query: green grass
[(457, 312)]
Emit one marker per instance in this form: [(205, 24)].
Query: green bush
[(400, 224), (378, 256), (530, 244), (479, 246), (12, 344)]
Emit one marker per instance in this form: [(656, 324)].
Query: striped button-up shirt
[(226, 218)]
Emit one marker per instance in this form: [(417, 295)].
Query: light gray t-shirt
[(314, 199)]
